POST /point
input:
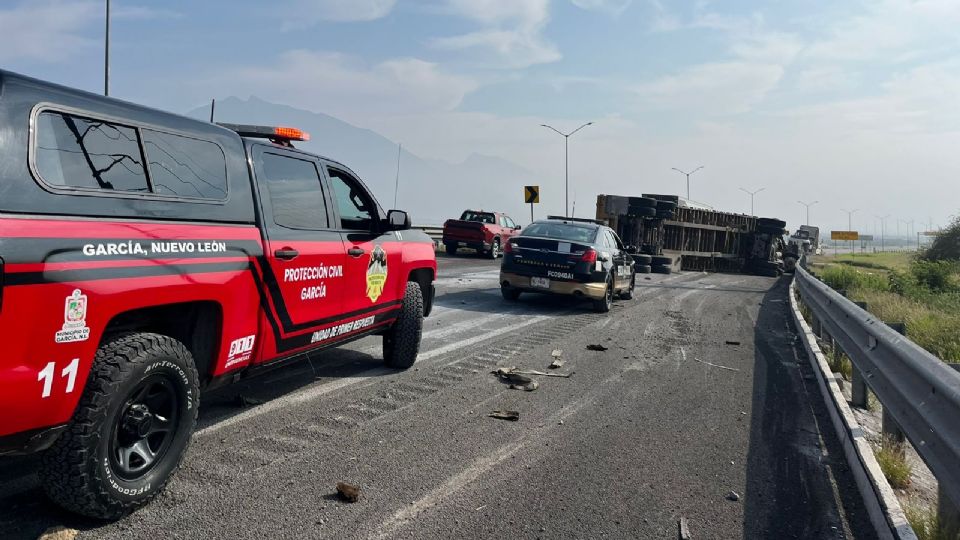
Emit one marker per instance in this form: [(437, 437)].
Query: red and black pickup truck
[(146, 257), (486, 232)]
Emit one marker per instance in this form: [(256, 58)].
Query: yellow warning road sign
[(844, 235), (531, 194)]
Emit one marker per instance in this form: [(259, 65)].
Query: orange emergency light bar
[(268, 132)]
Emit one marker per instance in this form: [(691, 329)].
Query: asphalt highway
[(701, 392)]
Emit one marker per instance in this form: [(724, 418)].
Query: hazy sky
[(854, 104)]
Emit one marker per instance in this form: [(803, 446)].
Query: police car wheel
[(604, 304), (509, 293), (627, 294), (131, 429), (401, 343)]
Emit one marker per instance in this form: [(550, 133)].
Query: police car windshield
[(562, 231)]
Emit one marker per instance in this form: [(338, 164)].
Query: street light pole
[(687, 174), (106, 55), (808, 205), (752, 193), (566, 161), (883, 229)]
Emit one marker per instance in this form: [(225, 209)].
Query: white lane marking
[(314, 392), (475, 470)]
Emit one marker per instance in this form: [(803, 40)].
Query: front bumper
[(594, 291)]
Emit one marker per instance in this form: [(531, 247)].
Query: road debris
[(513, 416), (505, 372), (529, 387), (58, 533), (479, 508), (729, 342), (596, 347), (557, 363), (733, 496), (557, 353), (348, 492), (716, 365), (684, 529)]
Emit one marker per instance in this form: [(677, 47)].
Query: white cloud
[(717, 89), (767, 47), (821, 79), (46, 31), (310, 12), (613, 7), (345, 86), (511, 35)]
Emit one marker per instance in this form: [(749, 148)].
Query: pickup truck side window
[(510, 222), (296, 193), (77, 152), (185, 167), (357, 210)]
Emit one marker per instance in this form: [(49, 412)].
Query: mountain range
[(430, 190)]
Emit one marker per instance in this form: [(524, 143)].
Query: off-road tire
[(642, 258), (494, 250), (771, 223), (642, 269), (451, 249), (401, 343), (509, 293), (660, 260), (642, 211), (604, 304), (627, 294), (662, 269), (76, 472)]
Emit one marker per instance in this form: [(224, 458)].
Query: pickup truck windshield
[(562, 231), (482, 217)]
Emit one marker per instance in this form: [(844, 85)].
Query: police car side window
[(296, 193), (356, 208), (76, 152)]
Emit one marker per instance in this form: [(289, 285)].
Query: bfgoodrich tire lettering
[(401, 343), (79, 471)]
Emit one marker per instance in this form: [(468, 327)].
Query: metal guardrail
[(435, 233), (918, 390)]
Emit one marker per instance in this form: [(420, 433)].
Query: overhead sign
[(531, 194), (844, 235), (866, 237)]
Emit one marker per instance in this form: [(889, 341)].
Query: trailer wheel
[(642, 211), (401, 343), (642, 202), (131, 429)]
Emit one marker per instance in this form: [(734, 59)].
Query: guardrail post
[(948, 514), (858, 385), (892, 431)]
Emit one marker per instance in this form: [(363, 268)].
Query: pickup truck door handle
[(286, 253), (355, 252)]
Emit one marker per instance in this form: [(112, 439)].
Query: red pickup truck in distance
[(485, 232)]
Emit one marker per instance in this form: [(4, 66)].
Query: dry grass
[(926, 522), (890, 457)]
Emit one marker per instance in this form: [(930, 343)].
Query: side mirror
[(516, 227), (398, 220)]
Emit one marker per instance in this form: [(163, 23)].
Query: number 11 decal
[(46, 376)]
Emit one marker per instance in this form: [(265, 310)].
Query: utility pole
[(808, 205), (850, 226), (566, 160), (106, 55), (751, 193), (687, 174)]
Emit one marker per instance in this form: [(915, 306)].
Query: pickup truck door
[(303, 266), (375, 277)]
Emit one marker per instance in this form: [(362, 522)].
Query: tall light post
[(687, 174), (850, 214), (883, 229), (808, 205), (566, 166), (752, 194), (106, 54)]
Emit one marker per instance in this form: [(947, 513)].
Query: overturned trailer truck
[(667, 232)]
